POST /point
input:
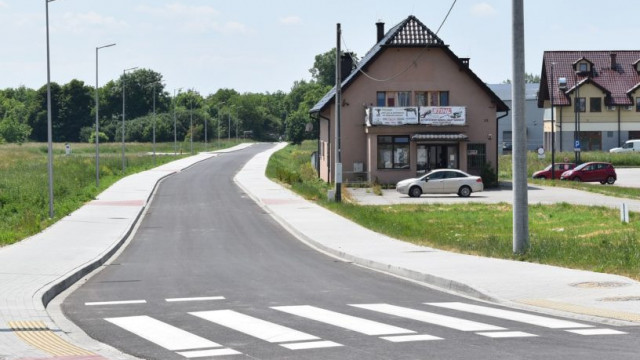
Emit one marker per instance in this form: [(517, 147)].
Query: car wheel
[(464, 191), (611, 180), (577, 179), (415, 191)]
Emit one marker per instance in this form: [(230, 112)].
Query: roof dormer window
[(583, 67)]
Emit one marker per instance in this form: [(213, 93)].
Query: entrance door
[(432, 157)]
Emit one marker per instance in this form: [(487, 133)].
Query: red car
[(592, 171), (559, 169)]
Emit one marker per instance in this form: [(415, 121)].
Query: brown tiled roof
[(616, 82)]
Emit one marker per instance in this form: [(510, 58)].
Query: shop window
[(595, 104), (393, 152)]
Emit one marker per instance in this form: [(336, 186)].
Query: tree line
[(266, 116)]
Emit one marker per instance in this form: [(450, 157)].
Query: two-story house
[(410, 105), (596, 98)]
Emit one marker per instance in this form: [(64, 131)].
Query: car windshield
[(580, 167), (547, 168)]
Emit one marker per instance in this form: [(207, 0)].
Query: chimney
[(380, 27), (613, 61)]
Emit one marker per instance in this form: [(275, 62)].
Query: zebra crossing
[(189, 345)]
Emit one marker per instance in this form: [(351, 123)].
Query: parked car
[(559, 169), (592, 172), (628, 146), (441, 181)]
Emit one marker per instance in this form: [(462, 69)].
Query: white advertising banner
[(393, 115), (443, 115)]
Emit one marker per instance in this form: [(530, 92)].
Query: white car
[(441, 181), (628, 146)]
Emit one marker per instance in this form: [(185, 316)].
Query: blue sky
[(264, 46)]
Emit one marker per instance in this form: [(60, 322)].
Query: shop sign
[(443, 115), (392, 115)]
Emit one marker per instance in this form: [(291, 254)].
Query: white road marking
[(407, 338), (512, 315), (124, 302), (255, 327), (506, 334), (310, 345), (363, 326), (162, 334), (597, 332), (208, 353), (203, 298), (431, 318)]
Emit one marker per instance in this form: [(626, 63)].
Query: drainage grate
[(599, 284)]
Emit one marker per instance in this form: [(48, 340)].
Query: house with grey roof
[(594, 96), (533, 116), (409, 106)]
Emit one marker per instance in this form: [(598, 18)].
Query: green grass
[(581, 237), (24, 185)]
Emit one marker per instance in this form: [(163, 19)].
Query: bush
[(103, 137), (489, 177)]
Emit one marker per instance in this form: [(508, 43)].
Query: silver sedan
[(441, 181)]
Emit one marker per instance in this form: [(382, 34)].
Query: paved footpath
[(35, 270)]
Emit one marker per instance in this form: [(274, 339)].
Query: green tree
[(76, 103), (324, 67)]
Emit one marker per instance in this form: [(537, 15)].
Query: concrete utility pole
[(49, 121), (520, 198), (338, 102)]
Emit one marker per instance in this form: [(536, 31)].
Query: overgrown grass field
[(24, 185), (581, 237)]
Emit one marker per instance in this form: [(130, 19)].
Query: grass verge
[(581, 237), (24, 185)]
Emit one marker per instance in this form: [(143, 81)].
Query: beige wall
[(433, 71)]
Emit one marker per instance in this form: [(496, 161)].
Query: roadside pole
[(520, 196), (338, 102)]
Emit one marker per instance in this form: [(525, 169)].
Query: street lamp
[(175, 133), (49, 132), (124, 72), (153, 87), (97, 121), (222, 103), (191, 117), (553, 138), (229, 117)]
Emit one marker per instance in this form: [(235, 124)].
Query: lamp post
[(191, 117), (175, 133), (124, 72), (553, 138), (49, 132), (97, 119), (153, 88), (218, 113), (229, 117)]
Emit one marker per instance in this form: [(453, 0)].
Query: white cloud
[(3, 5), (291, 20), (194, 19), (81, 22), (483, 10)]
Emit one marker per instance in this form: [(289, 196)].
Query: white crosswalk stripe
[(167, 336), (429, 317), (260, 329), (537, 320)]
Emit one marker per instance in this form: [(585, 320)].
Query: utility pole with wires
[(338, 102)]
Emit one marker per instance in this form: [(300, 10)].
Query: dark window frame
[(595, 104), (395, 142)]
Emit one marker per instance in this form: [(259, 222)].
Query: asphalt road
[(210, 275)]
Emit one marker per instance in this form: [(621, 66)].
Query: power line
[(413, 63)]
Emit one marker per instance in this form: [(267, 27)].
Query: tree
[(528, 78), (324, 67), (76, 103)]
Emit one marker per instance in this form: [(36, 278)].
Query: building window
[(393, 152), (638, 104), (476, 156), (595, 104), (391, 101), (381, 96), (581, 105), (404, 98), (583, 67), (421, 99), (444, 98)]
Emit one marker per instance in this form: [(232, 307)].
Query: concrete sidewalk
[(35, 270), (601, 297)]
